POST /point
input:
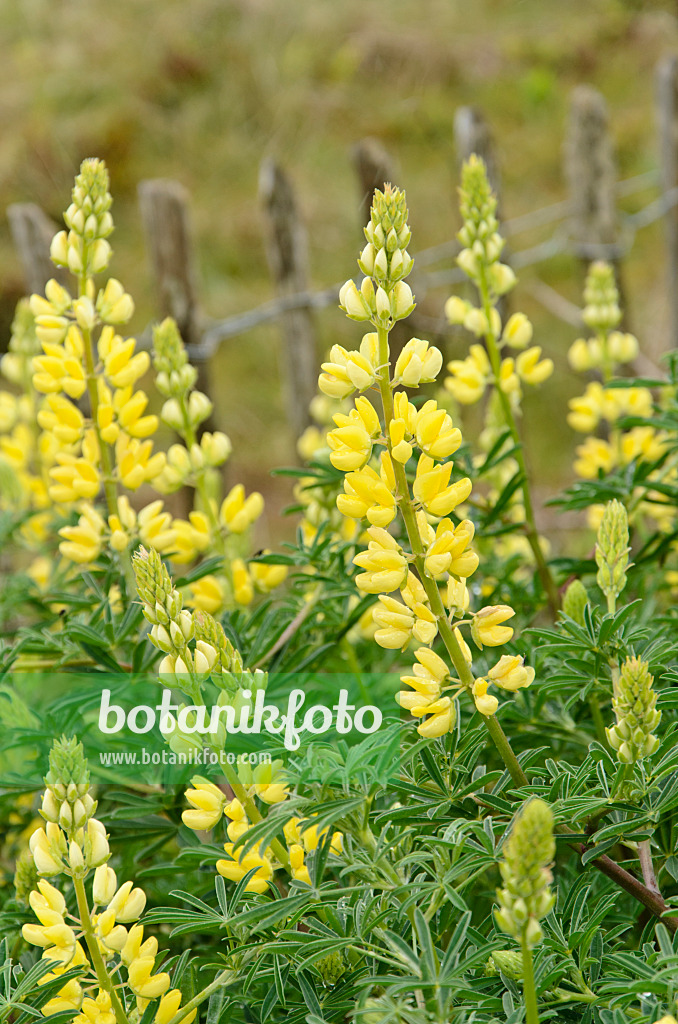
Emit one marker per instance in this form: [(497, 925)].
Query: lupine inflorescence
[(396, 459), (73, 843)]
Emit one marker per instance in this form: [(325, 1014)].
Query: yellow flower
[(136, 464), (396, 622), (436, 436), (384, 562), (74, 478), (297, 866), (208, 594), (433, 490), (168, 1007), (237, 512), (267, 577), (83, 543), (208, 804), (121, 366), (517, 331), (510, 673), (191, 537), (450, 551), (130, 408), (243, 591), (593, 455), (531, 369), (486, 628), (469, 376), (485, 703), (143, 982), (60, 416), (418, 363), (369, 494), (346, 372), (351, 443), (155, 527), (508, 378), (240, 863)]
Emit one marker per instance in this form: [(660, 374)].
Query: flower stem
[(221, 979), (454, 650), (529, 990), (531, 531), (103, 977)]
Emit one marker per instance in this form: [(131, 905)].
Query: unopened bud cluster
[(73, 840), (185, 409), (83, 248), (171, 624), (612, 550), (480, 236), (601, 311), (575, 600), (635, 708), (384, 296), (479, 259), (526, 897)]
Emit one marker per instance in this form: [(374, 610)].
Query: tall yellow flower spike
[(376, 490)]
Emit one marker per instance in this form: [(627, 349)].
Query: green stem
[(531, 531), (529, 990), (403, 499), (221, 980), (598, 722), (103, 977)]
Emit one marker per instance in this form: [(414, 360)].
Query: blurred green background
[(203, 90)]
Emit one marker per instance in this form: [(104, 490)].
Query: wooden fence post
[(287, 253), (591, 174), (32, 232), (472, 134), (165, 218), (667, 124), (374, 168)]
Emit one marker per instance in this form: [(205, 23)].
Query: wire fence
[(560, 242)]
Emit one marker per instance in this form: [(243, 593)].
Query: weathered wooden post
[(164, 208), (32, 232), (667, 124), (592, 176), (374, 168), (165, 218), (472, 134), (287, 253)]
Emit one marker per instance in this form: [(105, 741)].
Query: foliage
[(481, 858)]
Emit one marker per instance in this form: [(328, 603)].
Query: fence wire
[(560, 242)]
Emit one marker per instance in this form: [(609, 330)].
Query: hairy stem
[(529, 989), (222, 979), (103, 977), (647, 867)]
